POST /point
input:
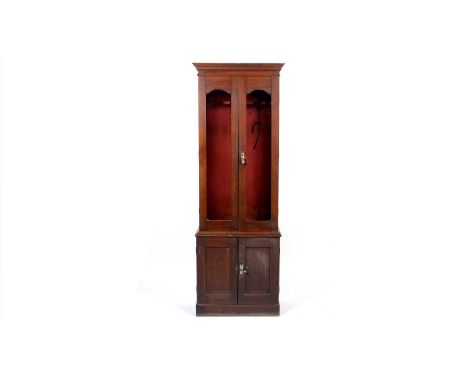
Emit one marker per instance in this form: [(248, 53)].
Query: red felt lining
[(218, 155), (258, 187)]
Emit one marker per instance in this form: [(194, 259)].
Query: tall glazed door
[(258, 271), (258, 153), (218, 155)]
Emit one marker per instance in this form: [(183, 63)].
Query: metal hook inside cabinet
[(258, 132)]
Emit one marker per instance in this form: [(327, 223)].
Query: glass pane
[(218, 155), (258, 187)]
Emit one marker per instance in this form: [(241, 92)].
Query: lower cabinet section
[(237, 275)]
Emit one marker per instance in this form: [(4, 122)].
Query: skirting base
[(237, 310)]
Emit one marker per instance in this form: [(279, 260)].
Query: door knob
[(243, 158)]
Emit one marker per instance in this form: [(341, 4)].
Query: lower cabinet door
[(216, 270), (258, 271)]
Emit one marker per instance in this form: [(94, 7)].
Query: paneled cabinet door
[(216, 276), (259, 276)]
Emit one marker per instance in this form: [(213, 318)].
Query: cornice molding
[(238, 67)]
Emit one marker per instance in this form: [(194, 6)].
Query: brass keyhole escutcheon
[(242, 269), (243, 159)]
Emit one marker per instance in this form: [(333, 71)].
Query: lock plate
[(242, 269)]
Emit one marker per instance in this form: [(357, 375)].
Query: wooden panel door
[(258, 150), (260, 258), (216, 270), (218, 153)]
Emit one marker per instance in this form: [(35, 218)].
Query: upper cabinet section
[(238, 154)]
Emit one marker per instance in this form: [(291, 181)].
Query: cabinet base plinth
[(237, 310)]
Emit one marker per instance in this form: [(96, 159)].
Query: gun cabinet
[(238, 239)]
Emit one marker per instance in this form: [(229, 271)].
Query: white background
[(99, 191)]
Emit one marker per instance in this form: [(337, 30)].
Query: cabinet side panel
[(202, 151), (274, 151)]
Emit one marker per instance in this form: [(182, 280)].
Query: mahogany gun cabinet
[(238, 237)]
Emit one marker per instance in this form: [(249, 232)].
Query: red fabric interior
[(218, 155), (258, 154)]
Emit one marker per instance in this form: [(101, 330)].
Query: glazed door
[(218, 156), (216, 270), (258, 153), (258, 271)]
